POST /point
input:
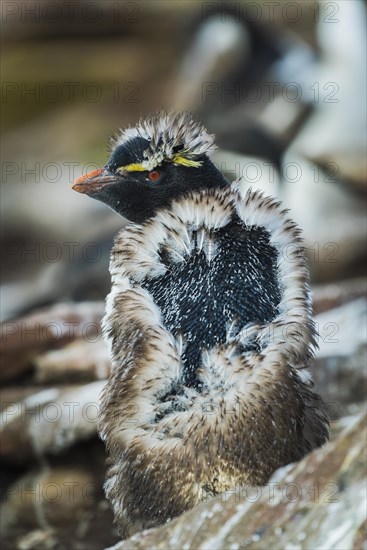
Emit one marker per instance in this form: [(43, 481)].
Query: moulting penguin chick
[(209, 326)]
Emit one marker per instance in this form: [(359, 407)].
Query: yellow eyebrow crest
[(132, 168), (178, 159), (183, 161)]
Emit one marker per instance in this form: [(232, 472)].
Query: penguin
[(209, 326)]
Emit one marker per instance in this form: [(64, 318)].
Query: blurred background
[(283, 87)]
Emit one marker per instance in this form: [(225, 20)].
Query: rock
[(49, 422), (331, 295), (339, 370), (319, 502), (24, 338), (49, 497), (80, 361), (332, 218), (55, 272), (16, 393), (57, 508), (41, 539), (341, 330)]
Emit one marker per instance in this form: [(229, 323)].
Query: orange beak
[(92, 182)]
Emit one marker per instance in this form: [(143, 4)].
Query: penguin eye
[(154, 175)]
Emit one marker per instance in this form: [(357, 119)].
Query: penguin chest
[(223, 285)]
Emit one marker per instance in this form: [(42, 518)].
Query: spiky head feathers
[(169, 137)]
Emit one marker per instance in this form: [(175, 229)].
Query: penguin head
[(164, 158)]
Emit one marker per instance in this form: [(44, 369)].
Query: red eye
[(154, 175)]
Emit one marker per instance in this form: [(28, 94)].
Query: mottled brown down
[(259, 411)]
